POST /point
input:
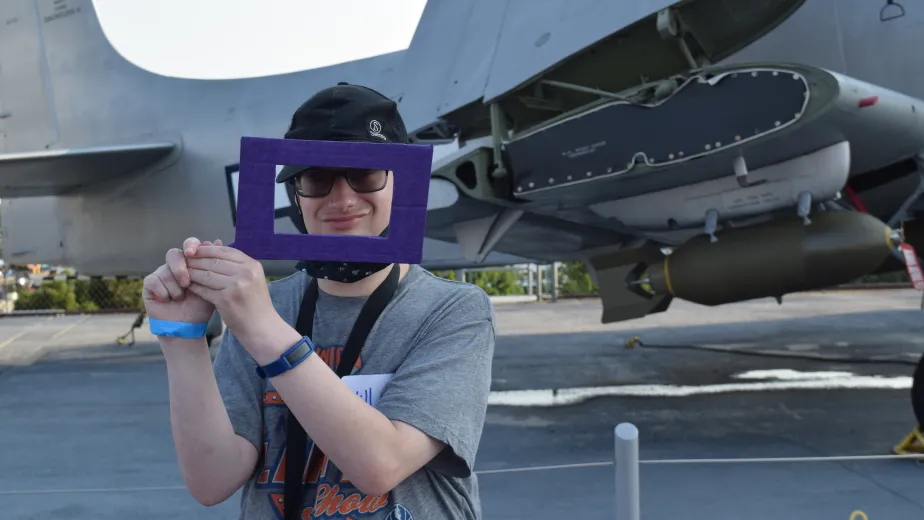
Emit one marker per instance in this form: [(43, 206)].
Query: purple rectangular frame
[(254, 229)]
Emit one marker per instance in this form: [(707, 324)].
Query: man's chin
[(351, 228), (359, 231)]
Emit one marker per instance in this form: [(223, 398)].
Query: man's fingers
[(225, 253), (173, 288), (203, 292), (209, 279), (155, 287), (176, 265), (191, 245), (215, 265)]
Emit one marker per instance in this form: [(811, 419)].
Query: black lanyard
[(296, 438)]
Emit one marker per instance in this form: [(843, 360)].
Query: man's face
[(358, 201)]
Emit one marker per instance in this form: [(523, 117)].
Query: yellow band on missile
[(888, 233), (667, 276)]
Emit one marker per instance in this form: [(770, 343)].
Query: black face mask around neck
[(344, 272)]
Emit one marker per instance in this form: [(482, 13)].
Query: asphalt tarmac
[(84, 422)]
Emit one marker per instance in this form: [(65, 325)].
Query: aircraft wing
[(55, 172), (512, 68), (602, 131), (537, 37), (448, 60), (495, 45), (517, 53)]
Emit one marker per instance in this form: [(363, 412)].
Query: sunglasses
[(318, 182)]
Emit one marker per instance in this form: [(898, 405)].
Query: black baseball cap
[(345, 113)]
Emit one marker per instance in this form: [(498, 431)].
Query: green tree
[(498, 283), (51, 295), (573, 278), (83, 295)]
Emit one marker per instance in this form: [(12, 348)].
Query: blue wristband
[(177, 329), (288, 360)]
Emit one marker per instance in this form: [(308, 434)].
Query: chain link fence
[(70, 294)]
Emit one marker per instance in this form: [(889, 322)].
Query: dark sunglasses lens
[(314, 183), (318, 183), (367, 181)]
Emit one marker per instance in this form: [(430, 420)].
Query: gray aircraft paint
[(124, 227), (84, 94)]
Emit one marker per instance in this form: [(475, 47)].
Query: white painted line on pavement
[(784, 380)]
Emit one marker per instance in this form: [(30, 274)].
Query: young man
[(409, 456)]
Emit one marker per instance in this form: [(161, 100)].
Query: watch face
[(302, 350)]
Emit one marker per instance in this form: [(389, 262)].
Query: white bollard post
[(627, 481)]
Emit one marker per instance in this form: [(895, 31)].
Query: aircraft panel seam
[(497, 38), (840, 36), (49, 89)]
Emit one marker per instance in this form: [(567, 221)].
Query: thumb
[(191, 245)]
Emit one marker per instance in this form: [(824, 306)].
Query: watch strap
[(288, 360)]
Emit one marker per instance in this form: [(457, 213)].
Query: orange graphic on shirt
[(325, 497), (331, 356), (331, 503)]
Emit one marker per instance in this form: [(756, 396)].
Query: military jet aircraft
[(709, 150)]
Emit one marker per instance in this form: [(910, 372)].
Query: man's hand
[(235, 284), (165, 291), (214, 461)]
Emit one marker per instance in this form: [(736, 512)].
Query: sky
[(224, 39), (227, 39)]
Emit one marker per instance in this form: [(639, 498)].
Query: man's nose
[(341, 192)]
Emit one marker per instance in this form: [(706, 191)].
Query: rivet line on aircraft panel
[(707, 147)]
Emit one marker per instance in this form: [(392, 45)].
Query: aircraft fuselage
[(124, 226)]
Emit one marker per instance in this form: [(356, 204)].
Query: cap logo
[(375, 130)]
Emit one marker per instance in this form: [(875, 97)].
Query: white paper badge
[(368, 387)]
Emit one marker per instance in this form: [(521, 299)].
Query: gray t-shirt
[(436, 337)]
